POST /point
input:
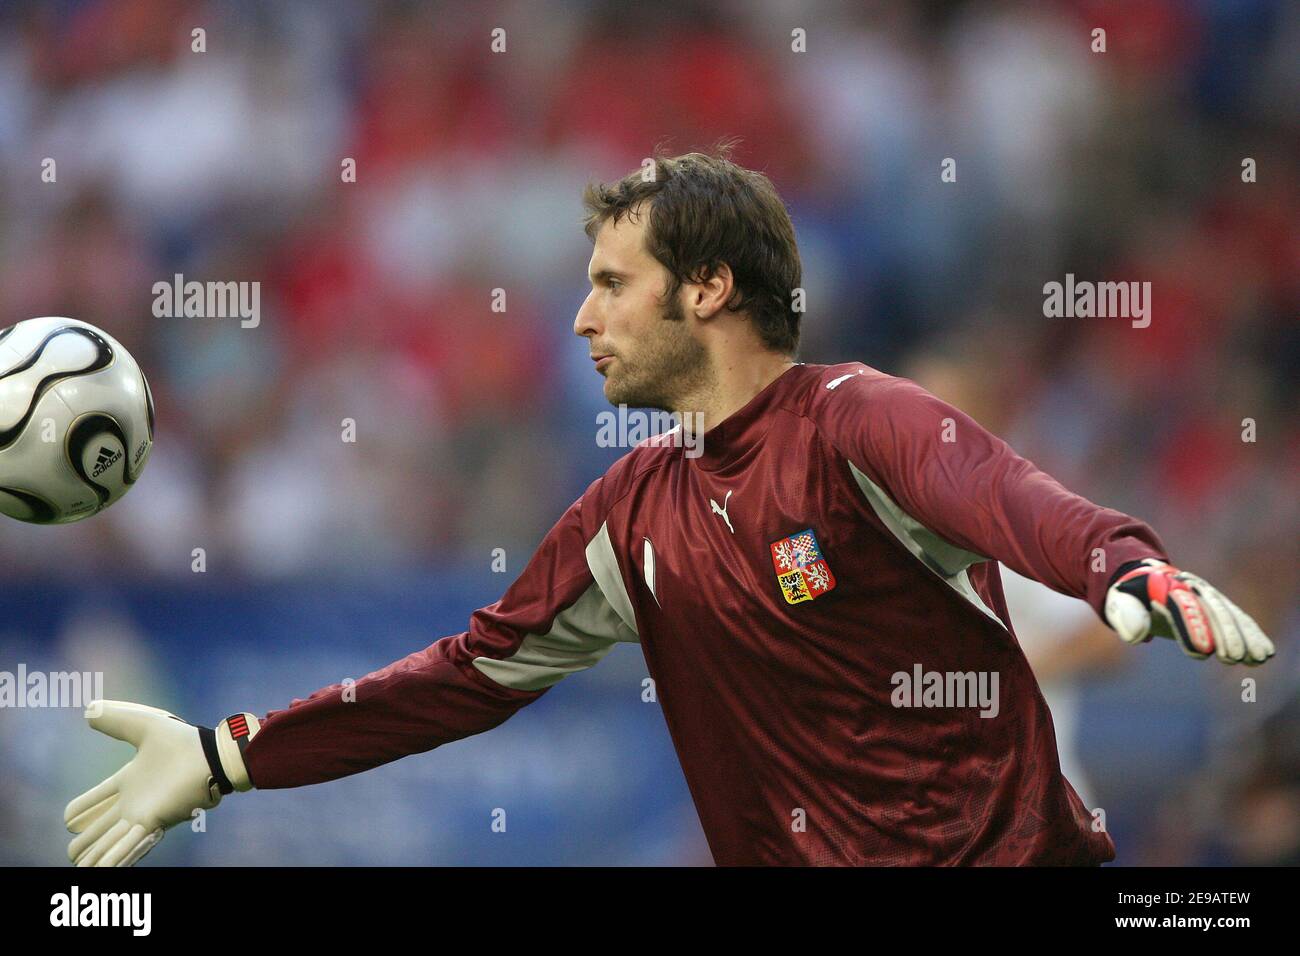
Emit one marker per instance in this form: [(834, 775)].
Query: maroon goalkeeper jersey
[(818, 600)]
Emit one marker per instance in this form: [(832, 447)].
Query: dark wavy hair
[(705, 210)]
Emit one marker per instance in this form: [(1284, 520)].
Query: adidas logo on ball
[(107, 457), (62, 377)]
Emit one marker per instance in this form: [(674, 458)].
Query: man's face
[(646, 347)]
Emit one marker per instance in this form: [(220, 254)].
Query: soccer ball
[(76, 420)]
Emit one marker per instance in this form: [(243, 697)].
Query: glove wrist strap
[(1128, 566), (224, 747), (208, 737)]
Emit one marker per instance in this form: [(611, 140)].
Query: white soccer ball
[(76, 420)]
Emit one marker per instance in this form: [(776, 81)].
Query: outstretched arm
[(960, 495), (553, 621)]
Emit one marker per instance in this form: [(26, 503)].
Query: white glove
[(1152, 599), (178, 768)]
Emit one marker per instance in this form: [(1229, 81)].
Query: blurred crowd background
[(475, 428)]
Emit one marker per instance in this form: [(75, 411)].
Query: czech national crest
[(801, 570)]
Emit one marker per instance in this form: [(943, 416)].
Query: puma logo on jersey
[(832, 386), (722, 509)]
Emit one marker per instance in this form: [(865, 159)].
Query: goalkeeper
[(807, 542)]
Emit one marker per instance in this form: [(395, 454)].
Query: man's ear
[(715, 292)]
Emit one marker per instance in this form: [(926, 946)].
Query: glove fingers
[(142, 848), (124, 846), (1229, 643), (123, 720), (82, 821), (93, 831), (1258, 646), (1192, 627), (76, 811), (1187, 608), (92, 854)]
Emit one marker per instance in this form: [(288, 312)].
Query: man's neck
[(734, 384)]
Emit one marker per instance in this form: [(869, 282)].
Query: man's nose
[(586, 324)]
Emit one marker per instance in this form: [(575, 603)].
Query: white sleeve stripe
[(604, 568), (579, 637), (945, 559)]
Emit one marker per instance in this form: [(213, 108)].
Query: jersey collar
[(744, 428)]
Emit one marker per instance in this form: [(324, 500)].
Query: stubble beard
[(670, 366)]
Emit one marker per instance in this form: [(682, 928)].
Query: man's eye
[(614, 285)]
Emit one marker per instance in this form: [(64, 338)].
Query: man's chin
[(619, 392), (613, 394), (617, 395)]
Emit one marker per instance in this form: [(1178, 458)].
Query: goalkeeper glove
[(178, 768), (1150, 598)]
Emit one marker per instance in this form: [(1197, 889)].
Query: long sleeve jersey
[(794, 584)]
